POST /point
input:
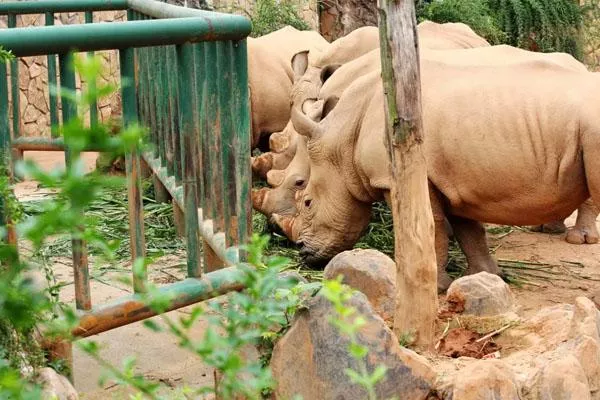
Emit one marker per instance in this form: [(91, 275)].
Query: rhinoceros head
[(330, 218)]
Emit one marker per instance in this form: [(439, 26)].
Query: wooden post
[(416, 276)]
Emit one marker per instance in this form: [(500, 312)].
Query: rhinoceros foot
[(577, 235), (555, 227)]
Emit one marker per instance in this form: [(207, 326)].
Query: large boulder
[(56, 386), (310, 359), (486, 380), (481, 294), (370, 272), (564, 379)]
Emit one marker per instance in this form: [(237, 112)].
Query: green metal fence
[(191, 89)]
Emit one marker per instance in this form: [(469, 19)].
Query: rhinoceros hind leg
[(441, 239), (471, 237), (554, 227), (585, 230)]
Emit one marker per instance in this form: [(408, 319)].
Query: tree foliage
[(271, 15), (539, 25)]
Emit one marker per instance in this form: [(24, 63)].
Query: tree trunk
[(416, 276), (339, 18)]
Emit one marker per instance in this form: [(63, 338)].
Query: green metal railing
[(191, 90)]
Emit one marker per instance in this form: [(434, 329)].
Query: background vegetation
[(539, 25)]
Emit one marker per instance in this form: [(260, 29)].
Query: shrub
[(271, 15), (475, 13), (548, 25)]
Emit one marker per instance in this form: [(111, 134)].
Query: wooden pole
[(416, 271)]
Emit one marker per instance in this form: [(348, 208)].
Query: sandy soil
[(160, 358)]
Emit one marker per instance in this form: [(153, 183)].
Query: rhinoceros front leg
[(472, 239), (585, 230)]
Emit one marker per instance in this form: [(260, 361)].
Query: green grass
[(111, 215)]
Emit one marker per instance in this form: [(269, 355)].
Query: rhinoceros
[(279, 201), (312, 68), (513, 144), (270, 76)]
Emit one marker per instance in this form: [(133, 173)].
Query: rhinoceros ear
[(300, 63), (328, 70), (329, 105)]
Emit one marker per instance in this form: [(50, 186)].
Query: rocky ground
[(549, 346)]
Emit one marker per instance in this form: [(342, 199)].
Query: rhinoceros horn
[(275, 177), (258, 198), (289, 226)]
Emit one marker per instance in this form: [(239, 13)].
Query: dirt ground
[(160, 358)]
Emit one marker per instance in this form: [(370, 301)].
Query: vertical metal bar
[(176, 127), (210, 154), (89, 18), (83, 299), (14, 85), (189, 131), (52, 82), (241, 111), (228, 166), (162, 117), (4, 137), (199, 90), (133, 169), (213, 138)]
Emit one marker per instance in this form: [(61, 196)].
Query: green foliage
[(349, 322), (271, 15), (547, 26), (23, 305), (475, 13), (262, 311)]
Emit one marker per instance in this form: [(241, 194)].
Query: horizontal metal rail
[(129, 309), (119, 35), (43, 6), (158, 9)]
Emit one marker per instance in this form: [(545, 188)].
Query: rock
[(310, 359), (371, 272), (293, 275), (35, 70), (486, 380), (564, 379), (587, 352), (595, 297), (480, 294), (56, 385), (31, 114)]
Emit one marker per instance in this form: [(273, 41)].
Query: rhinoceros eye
[(307, 203), (299, 182)]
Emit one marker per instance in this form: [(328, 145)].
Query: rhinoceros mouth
[(312, 259)]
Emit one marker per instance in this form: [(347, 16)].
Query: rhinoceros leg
[(441, 238), (552, 227), (471, 237), (585, 230)]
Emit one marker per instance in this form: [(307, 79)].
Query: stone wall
[(33, 71), (33, 76)]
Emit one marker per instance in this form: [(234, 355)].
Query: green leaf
[(357, 351), (378, 374), (153, 326)]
